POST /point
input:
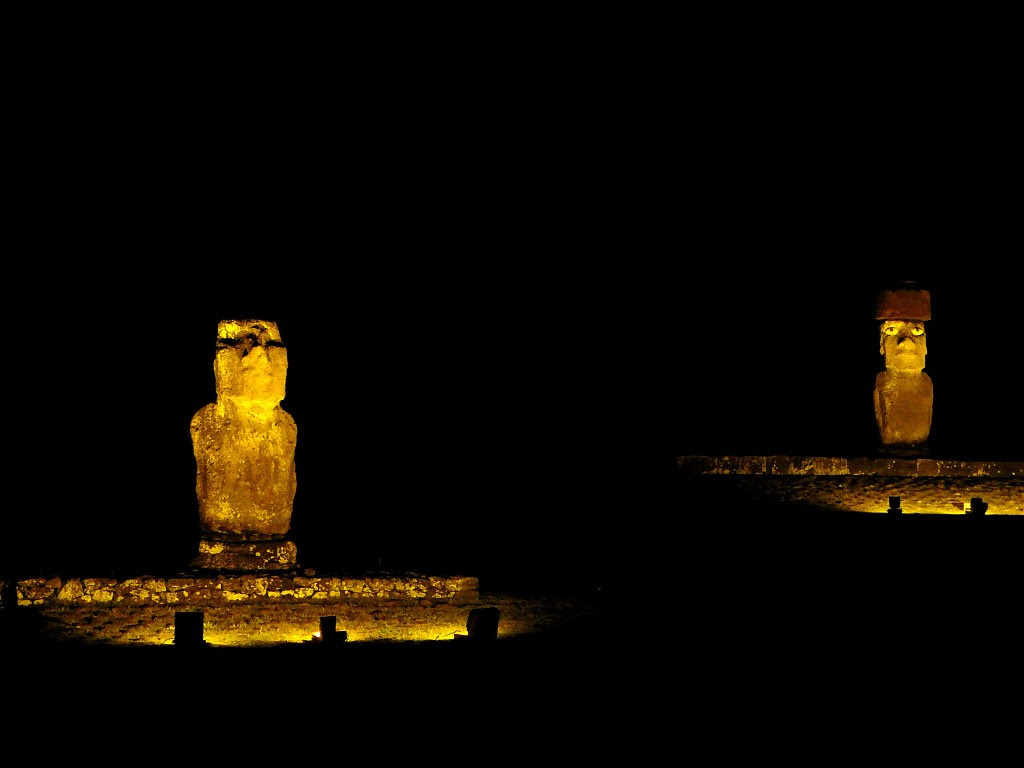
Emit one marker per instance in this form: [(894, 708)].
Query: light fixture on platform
[(188, 629), (482, 624), (976, 507), (328, 632), (894, 506)]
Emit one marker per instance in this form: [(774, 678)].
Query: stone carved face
[(904, 344), (251, 362)]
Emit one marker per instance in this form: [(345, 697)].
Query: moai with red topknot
[(903, 391)]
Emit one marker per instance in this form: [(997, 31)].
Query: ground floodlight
[(482, 623), (188, 629)]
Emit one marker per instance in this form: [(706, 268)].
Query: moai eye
[(917, 330), (889, 330)]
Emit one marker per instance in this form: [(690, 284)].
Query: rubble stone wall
[(188, 590)]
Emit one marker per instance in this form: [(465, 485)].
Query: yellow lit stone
[(244, 443), (903, 392)]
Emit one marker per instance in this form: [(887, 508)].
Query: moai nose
[(256, 355)]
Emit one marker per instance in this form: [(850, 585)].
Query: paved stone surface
[(854, 485)]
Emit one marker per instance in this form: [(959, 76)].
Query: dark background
[(514, 285), (453, 422), (784, 366), (449, 420)]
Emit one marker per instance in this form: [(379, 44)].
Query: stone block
[(903, 305), (246, 555)]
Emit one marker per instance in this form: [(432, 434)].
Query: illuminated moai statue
[(244, 447), (903, 391)]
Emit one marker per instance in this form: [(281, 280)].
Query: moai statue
[(903, 391), (244, 447)]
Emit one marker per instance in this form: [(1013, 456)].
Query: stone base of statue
[(904, 451), (277, 555)]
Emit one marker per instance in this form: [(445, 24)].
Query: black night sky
[(520, 265), (516, 420), (449, 420), (510, 297), (790, 364)]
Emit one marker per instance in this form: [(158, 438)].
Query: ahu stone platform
[(268, 610), (859, 484)]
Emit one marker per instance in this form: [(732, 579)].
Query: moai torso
[(903, 391), (244, 443), (903, 409)]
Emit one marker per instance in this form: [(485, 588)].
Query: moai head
[(251, 362), (902, 337)]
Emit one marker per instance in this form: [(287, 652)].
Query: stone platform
[(859, 484), (243, 556), (259, 610)]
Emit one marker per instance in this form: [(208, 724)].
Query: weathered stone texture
[(244, 447), (925, 486)]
